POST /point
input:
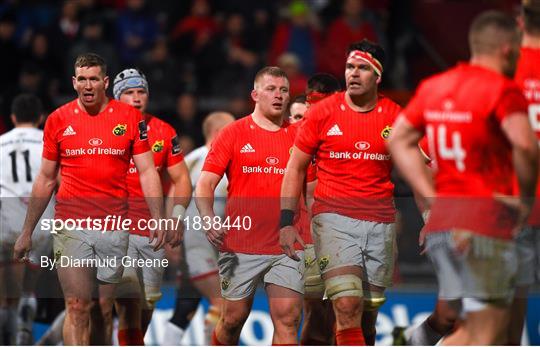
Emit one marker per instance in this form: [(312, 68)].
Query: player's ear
[(41, 119), (13, 119), (379, 79), (106, 81), (74, 81), (254, 95)]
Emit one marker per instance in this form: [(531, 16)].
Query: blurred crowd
[(198, 55)]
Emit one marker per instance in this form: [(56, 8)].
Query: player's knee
[(287, 317), (348, 307), (233, 320), (78, 311), (153, 295), (373, 300)]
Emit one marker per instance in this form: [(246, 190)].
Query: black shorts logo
[(120, 129), (143, 131), (158, 146), (176, 149)]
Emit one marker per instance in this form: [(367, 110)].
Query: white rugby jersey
[(195, 161), (20, 155)]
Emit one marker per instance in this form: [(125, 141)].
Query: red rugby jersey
[(254, 160), (461, 111), (93, 153), (528, 79), (166, 150), (353, 164)]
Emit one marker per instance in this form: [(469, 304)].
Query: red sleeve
[(140, 134), (221, 152), (51, 149), (511, 101), (175, 154), (307, 139), (414, 112)]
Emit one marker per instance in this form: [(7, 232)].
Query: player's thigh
[(286, 273), (526, 248), (314, 284), (489, 269), (151, 271), (380, 253), (240, 273), (285, 304), (110, 247), (446, 264), (337, 242), (73, 253), (130, 287), (200, 255)]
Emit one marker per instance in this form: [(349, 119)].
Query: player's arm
[(181, 186), (524, 155), (403, 146), (42, 190), (204, 199), (152, 190), (291, 189)]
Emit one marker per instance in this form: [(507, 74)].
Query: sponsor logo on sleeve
[(158, 146), (143, 130), (176, 149), (120, 129)]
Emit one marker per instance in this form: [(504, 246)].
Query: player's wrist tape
[(286, 218), (178, 211)]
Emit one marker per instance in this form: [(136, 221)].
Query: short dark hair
[(27, 108), (489, 30), (300, 99), (323, 83), (367, 46), (531, 16), (270, 70), (90, 60)]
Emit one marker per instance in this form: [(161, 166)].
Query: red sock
[(350, 337), (130, 337), (215, 341)]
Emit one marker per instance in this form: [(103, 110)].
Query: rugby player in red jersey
[(318, 317), (353, 212), (475, 119), (140, 289), (253, 153), (528, 241), (90, 140)]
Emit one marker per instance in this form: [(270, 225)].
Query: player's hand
[(22, 247), (176, 236), (287, 237), (159, 235), (462, 240), (522, 209), (215, 236)]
